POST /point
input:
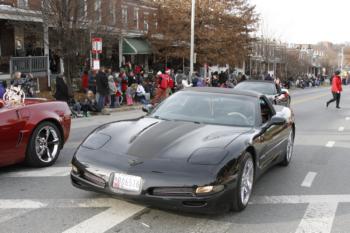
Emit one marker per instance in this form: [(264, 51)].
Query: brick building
[(28, 45)]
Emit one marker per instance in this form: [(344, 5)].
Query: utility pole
[(192, 38), (342, 58)]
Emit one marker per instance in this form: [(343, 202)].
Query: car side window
[(266, 112)]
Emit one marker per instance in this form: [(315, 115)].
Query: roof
[(223, 91)]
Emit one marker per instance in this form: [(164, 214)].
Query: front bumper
[(211, 204)]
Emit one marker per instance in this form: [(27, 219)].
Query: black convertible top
[(223, 91)]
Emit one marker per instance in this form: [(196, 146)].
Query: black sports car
[(200, 150), (273, 92)]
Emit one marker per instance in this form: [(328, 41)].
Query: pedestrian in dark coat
[(62, 93), (102, 88), (3, 86)]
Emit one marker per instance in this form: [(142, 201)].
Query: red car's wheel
[(44, 146)]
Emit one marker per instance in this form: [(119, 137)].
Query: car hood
[(149, 138)]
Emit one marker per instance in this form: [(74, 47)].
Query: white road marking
[(348, 118), (43, 172), (21, 204), (309, 179), (330, 144), (107, 219), (341, 129), (299, 199), (318, 218)]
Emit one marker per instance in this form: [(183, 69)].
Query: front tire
[(44, 145), (245, 183), (289, 150)]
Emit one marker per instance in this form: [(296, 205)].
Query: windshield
[(264, 88), (220, 109)]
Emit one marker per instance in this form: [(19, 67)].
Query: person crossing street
[(336, 89)]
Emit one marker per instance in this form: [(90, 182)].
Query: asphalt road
[(311, 195)]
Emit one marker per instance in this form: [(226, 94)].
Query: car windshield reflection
[(202, 108)]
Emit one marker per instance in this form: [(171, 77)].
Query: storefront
[(137, 51)]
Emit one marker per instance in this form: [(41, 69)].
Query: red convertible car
[(33, 131)]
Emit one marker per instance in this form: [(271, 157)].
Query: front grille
[(174, 192), (94, 179)]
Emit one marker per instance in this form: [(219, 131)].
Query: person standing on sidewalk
[(336, 89), (112, 89), (102, 88)]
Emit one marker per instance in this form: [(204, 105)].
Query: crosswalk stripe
[(318, 218), (299, 199), (59, 203), (43, 172), (21, 204), (107, 219)]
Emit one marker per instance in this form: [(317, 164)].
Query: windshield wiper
[(195, 122), (160, 118)]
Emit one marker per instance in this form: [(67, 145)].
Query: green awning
[(132, 46)]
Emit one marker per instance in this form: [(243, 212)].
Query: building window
[(125, 16), (112, 8), (155, 21), (145, 25), (136, 17), (145, 22), (98, 10), (22, 3), (82, 8)]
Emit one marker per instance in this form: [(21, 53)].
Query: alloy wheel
[(247, 181), (290, 146), (47, 144)]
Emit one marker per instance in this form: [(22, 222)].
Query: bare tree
[(72, 22), (222, 29)]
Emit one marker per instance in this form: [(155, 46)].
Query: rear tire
[(44, 145), (245, 183), (289, 150)]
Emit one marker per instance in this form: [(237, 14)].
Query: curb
[(125, 109)]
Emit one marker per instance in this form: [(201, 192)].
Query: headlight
[(208, 156), (209, 189), (75, 169), (96, 141)]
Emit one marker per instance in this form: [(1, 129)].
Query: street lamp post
[(342, 59), (192, 38)]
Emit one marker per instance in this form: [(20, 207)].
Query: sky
[(304, 21)]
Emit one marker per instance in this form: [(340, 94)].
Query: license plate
[(127, 182)]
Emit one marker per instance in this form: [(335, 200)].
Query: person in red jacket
[(336, 89), (162, 83), (85, 81)]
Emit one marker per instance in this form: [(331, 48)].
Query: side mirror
[(275, 120), (147, 108)]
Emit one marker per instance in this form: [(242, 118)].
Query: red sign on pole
[(96, 45)]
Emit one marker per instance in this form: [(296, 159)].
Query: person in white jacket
[(112, 89), (141, 94)]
